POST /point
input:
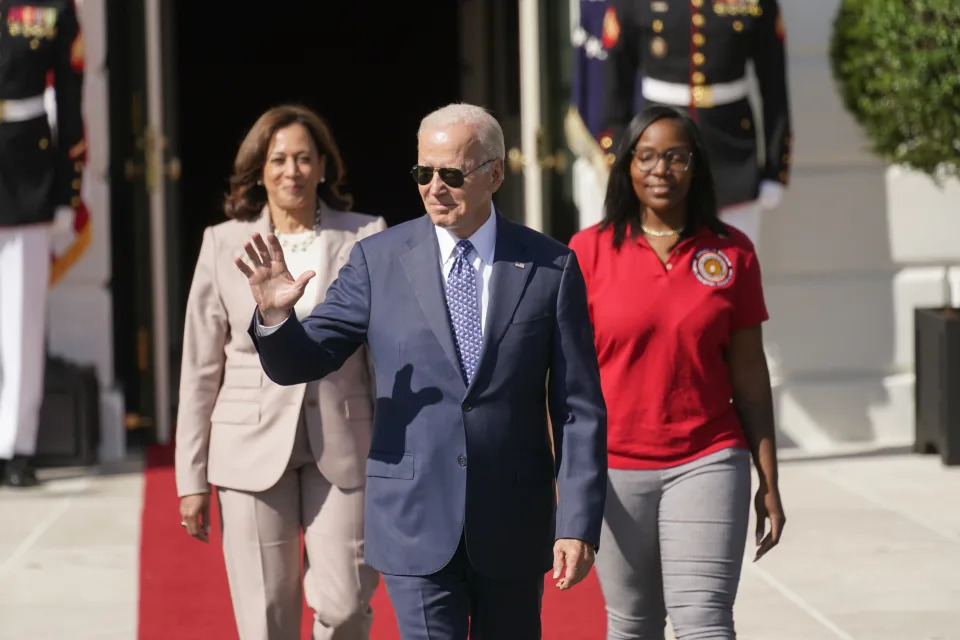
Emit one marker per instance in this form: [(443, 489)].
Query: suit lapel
[(329, 259), (262, 224), (422, 267), (511, 271)]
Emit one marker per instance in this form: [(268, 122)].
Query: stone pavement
[(871, 552), (69, 552)]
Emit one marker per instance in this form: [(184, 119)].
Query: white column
[(158, 212), (530, 112)]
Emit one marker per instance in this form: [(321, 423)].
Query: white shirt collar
[(484, 239)]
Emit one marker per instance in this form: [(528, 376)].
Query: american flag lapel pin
[(519, 265)]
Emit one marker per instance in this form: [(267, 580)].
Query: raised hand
[(273, 287)]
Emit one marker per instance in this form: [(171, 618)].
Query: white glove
[(63, 220), (771, 194)]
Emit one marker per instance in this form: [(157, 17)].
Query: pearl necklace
[(662, 234), (302, 244)]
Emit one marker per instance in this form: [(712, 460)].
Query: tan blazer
[(235, 427)]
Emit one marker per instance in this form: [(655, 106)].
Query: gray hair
[(486, 127)]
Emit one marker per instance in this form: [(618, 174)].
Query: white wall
[(80, 325), (853, 249)]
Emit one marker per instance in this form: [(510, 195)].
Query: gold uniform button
[(611, 158), (698, 78), (697, 3), (698, 58), (783, 177), (606, 142), (698, 19), (658, 47), (78, 167), (44, 143), (745, 124), (737, 25), (76, 184), (699, 39), (34, 44), (657, 26), (75, 201)]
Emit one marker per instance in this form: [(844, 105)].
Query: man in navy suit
[(476, 327)]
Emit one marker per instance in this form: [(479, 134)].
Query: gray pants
[(672, 543)]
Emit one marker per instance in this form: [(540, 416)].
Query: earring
[(323, 179), (259, 182)]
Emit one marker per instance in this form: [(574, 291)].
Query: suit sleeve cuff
[(192, 486), (263, 331)]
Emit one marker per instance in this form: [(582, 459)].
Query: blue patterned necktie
[(464, 306)]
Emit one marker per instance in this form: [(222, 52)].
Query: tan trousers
[(261, 546)]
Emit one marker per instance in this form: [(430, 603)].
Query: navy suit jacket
[(449, 459)]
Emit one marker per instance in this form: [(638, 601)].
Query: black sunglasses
[(423, 174)]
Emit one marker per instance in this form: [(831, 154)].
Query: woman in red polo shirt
[(676, 303)]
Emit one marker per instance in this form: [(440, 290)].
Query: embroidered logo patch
[(712, 267)]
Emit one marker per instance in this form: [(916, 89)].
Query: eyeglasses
[(423, 174), (676, 159)]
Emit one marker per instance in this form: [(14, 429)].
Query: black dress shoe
[(19, 473)]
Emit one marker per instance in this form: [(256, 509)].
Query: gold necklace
[(662, 234)]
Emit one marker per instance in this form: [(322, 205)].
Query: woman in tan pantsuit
[(290, 459)]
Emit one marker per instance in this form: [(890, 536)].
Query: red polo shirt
[(662, 330)]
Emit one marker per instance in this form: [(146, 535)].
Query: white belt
[(683, 95), (21, 109)]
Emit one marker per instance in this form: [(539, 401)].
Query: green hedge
[(897, 63)]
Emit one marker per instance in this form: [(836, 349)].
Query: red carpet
[(183, 583)]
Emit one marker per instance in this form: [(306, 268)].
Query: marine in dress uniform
[(39, 173), (692, 54), (584, 118)]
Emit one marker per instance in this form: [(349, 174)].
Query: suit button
[(462, 460), (467, 407)]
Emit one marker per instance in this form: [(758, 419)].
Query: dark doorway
[(371, 70)]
